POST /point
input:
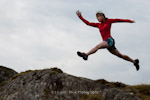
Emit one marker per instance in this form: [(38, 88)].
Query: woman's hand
[(78, 13), (133, 21)]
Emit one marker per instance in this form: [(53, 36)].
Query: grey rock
[(6, 73), (53, 84)]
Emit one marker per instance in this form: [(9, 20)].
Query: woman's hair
[(100, 13)]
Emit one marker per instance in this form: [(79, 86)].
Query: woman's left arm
[(121, 20)]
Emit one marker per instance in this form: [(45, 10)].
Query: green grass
[(141, 91), (53, 71)]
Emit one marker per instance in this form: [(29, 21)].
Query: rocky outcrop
[(53, 84), (6, 73)]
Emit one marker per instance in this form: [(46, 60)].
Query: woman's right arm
[(84, 20)]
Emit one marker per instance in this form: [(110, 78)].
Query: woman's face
[(100, 17)]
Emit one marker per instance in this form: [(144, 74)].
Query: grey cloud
[(38, 34)]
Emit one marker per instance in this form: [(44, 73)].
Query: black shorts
[(111, 43)]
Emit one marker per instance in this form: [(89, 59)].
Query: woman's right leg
[(101, 45)]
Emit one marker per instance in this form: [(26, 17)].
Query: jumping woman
[(108, 42)]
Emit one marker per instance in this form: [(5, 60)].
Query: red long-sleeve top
[(104, 27)]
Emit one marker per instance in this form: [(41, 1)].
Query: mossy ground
[(91, 97)]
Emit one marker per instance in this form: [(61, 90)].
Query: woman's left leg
[(125, 57)]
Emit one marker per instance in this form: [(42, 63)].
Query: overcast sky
[(37, 34)]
